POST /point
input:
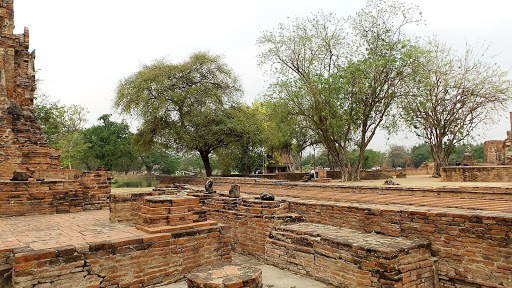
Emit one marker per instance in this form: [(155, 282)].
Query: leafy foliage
[(109, 145), (192, 105), (419, 154), (397, 156), (341, 77)]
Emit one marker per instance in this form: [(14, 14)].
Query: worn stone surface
[(225, 276)]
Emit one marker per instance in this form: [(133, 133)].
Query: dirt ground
[(424, 181)]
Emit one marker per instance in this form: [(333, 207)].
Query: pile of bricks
[(168, 213), (349, 258)]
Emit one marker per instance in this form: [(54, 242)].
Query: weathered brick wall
[(40, 197), (96, 189), (133, 262), (91, 191), (474, 248), (125, 207), (248, 184), (249, 220), (22, 145), (477, 174), (349, 258)]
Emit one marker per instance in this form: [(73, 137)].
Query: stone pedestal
[(225, 275)]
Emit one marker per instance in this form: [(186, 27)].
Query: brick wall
[(247, 184), (91, 191), (40, 197), (132, 262), (474, 248), (96, 189), (249, 220), (477, 174), (125, 207), (349, 258)]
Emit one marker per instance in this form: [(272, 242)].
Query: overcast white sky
[(85, 47)]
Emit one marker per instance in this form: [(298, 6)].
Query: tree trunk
[(149, 169), (439, 158), (206, 162)]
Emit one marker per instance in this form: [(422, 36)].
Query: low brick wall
[(349, 258), (249, 220), (474, 249), (125, 207), (477, 174), (132, 262), (40, 197), (88, 192), (96, 186)]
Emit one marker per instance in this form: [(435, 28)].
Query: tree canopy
[(340, 76), (193, 105)]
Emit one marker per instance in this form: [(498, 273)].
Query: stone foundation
[(132, 262), (349, 258)]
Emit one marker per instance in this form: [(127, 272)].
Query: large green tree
[(109, 144), (452, 95), (193, 105), (420, 154), (342, 76)]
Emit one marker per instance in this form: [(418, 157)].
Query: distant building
[(499, 152)]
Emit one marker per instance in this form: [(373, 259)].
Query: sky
[(84, 48)]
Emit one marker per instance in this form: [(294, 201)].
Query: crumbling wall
[(132, 262), (473, 248)]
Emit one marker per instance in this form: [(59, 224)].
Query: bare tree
[(342, 76), (452, 95)]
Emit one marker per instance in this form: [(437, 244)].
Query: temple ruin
[(31, 181), (63, 235), (499, 152)]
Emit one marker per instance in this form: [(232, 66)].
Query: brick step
[(350, 258)]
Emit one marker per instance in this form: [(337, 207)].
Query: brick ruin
[(356, 244), (39, 186), (499, 152)]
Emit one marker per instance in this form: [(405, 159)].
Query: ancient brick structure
[(40, 187), (499, 152), (22, 146)]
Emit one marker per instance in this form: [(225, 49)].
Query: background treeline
[(333, 83), (110, 144)]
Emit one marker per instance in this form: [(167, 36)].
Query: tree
[(193, 105), (451, 96), (284, 133), (109, 145), (62, 128), (341, 77), (420, 154), (397, 156)]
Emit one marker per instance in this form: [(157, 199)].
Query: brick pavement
[(49, 231)]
